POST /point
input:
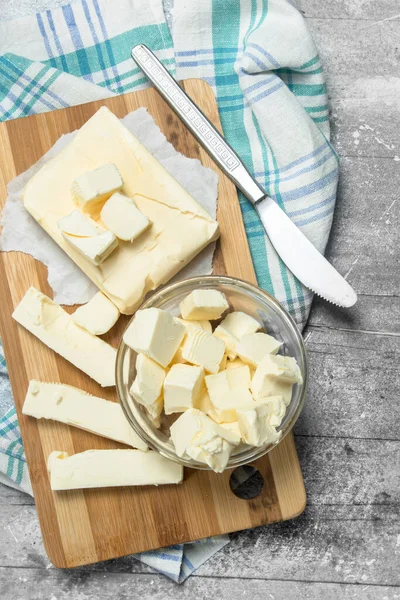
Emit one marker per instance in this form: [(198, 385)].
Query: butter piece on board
[(57, 329), (180, 227), (77, 408)]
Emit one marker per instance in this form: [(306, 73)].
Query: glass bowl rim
[(254, 453)]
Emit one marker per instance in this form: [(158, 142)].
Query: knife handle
[(202, 129)]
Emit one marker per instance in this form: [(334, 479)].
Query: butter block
[(204, 403), (229, 392), (204, 304), (98, 315), (77, 408), (182, 388), (233, 427), (155, 333), (148, 385), (252, 348), (255, 429), (234, 364), (57, 329), (197, 436), (235, 325), (121, 216), (111, 468), (92, 188), (180, 228), (203, 349)]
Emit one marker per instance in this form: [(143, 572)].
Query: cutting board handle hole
[(246, 482)]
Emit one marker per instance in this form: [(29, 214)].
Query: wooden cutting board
[(81, 527)]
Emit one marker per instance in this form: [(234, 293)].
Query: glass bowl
[(241, 296)]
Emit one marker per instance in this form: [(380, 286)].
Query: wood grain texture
[(81, 527)]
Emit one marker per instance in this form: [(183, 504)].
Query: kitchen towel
[(264, 68)]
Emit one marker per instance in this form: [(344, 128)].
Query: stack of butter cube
[(228, 383)]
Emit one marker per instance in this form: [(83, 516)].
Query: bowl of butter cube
[(212, 372)]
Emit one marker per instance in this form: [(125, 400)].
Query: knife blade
[(296, 251)]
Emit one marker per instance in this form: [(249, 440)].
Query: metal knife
[(296, 251)]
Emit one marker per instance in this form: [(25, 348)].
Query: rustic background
[(347, 543)]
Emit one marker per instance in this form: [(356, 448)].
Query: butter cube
[(98, 315), (121, 216), (203, 305), (155, 333), (91, 189), (197, 436), (275, 409), (203, 349), (254, 346), (205, 325), (233, 427), (204, 403), (282, 368), (148, 384), (255, 429), (87, 237), (229, 392), (264, 386), (96, 249), (182, 388), (79, 224), (233, 328)]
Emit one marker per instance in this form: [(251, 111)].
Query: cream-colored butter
[(111, 468), (57, 329), (229, 392), (282, 368), (255, 428), (92, 241), (233, 328), (148, 385), (180, 228), (233, 427), (234, 364), (92, 188), (252, 348), (204, 305), (197, 436), (155, 333), (183, 387), (98, 315), (78, 224), (264, 386), (203, 349), (121, 216), (275, 409), (77, 408)]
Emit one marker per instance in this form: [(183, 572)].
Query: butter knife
[(296, 251)]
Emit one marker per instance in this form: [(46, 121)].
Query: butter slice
[(233, 328), (284, 368), (204, 305), (180, 229), (77, 408), (98, 315), (182, 388), (197, 436), (265, 386), (121, 216), (229, 392), (111, 468), (148, 384), (255, 429), (57, 329), (203, 349), (155, 333), (254, 346), (81, 232), (92, 188)]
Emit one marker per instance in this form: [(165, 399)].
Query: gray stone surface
[(346, 545)]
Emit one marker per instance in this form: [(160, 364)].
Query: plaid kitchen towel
[(266, 74)]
